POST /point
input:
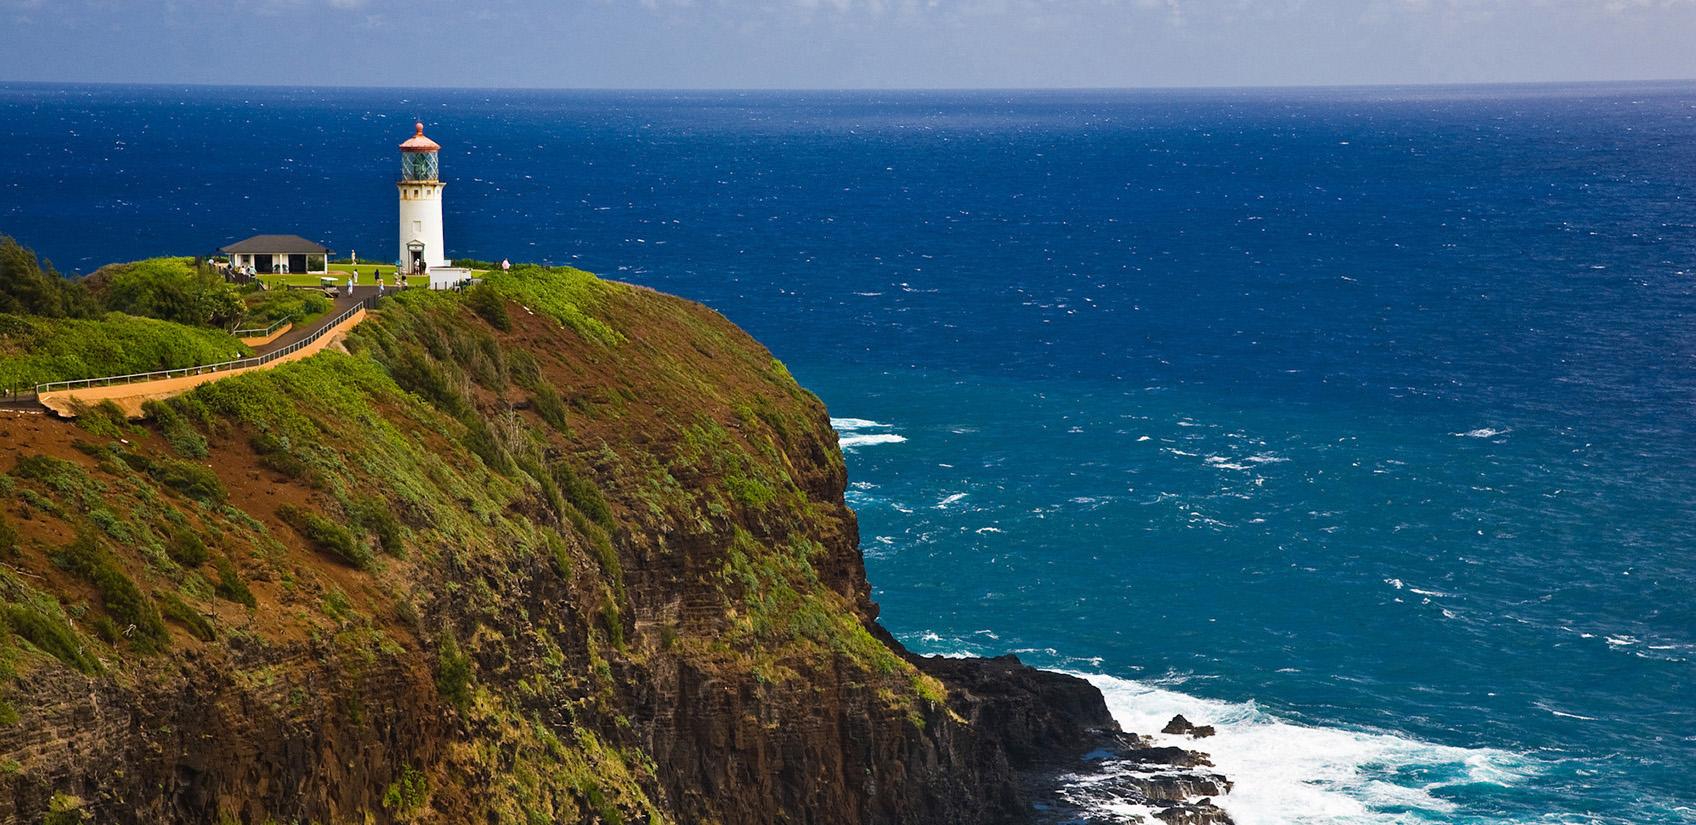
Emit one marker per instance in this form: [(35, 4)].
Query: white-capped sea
[(1373, 647)]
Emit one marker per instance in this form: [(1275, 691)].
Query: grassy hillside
[(35, 350), (525, 554)]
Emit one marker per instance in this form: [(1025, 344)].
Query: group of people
[(228, 269)]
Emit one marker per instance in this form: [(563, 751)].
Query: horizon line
[(1463, 84)]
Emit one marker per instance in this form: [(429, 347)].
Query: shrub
[(179, 290), (230, 586), (50, 634), (583, 494), (374, 515), (551, 408), (8, 538), (326, 535), (292, 305), (408, 793), (523, 368), (34, 350), (28, 288), (275, 453), (416, 373), (63, 477), (186, 548), (63, 809), (103, 419), (124, 602), (190, 479), (489, 306), (453, 672), (196, 481), (560, 292), (177, 610), (178, 431)]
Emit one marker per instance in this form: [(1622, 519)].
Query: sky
[(829, 44)]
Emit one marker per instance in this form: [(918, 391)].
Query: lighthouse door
[(416, 264)]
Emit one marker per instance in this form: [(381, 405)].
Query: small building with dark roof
[(269, 254)]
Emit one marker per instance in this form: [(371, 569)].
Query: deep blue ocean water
[(1360, 422)]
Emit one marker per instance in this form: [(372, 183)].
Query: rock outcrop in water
[(557, 550)]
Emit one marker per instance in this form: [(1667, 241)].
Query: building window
[(417, 227)]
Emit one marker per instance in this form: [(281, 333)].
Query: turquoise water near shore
[(1359, 422)]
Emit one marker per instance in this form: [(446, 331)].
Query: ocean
[(1360, 423)]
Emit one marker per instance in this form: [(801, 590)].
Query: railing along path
[(221, 366)]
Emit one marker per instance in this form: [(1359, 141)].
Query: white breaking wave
[(849, 442), (1288, 773), (1482, 432), (849, 433)]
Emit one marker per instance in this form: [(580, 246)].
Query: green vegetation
[(186, 548), (36, 350), (375, 516), (326, 535), (453, 672), (490, 306), (568, 295), (177, 610), (266, 307), (408, 794), (135, 615), (66, 479), (177, 429), (440, 439), (45, 627), (181, 290), (193, 480), (551, 408), (27, 287), (8, 538), (230, 585), (64, 809)]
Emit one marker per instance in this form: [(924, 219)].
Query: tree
[(170, 289), (27, 288)]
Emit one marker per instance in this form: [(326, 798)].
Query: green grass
[(568, 295), (36, 350)]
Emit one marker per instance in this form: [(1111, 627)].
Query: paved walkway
[(303, 331), (130, 397)]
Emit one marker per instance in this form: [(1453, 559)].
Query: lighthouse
[(421, 204)]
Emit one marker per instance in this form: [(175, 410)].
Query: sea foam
[(1293, 773), (849, 442), (851, 433)]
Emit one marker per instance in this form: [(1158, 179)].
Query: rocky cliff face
[(556, 550)]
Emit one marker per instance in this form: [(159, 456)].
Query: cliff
[(554, 550)]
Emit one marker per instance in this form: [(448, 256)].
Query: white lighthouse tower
[(421, 204)]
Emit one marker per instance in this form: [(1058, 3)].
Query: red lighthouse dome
[(418, 142)]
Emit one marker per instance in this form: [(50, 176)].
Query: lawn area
[(366, 276), (337, 271)]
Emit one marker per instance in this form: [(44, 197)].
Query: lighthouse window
[(417, 227), (418, 166)]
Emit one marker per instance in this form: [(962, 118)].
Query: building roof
[(418, 142), (276, 245)]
